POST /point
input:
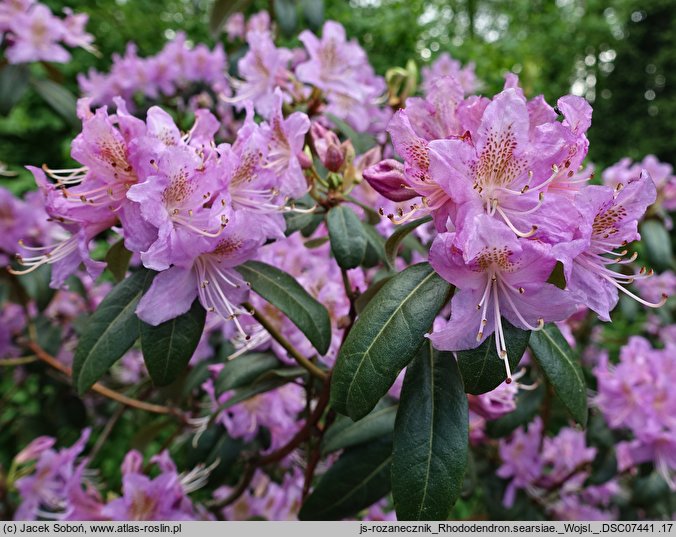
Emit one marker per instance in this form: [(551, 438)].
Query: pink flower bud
[(133, 463), (328, 147), (304, 160), (387, 177), (33, 450)]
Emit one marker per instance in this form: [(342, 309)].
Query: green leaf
[(385, 338), (48, 335), (221, 10), (313, 11), (110, 331), (346, 433), (297, 221), (657, 244), (59, 98), (392, 244), (557, 277), (285, 13), (361, 141), (316, 243), (358, 479), (482, 369), (13, 85), (168, 347), (348, 240), (363, 299), (244, 370), (37, 287), (527, 406), (284, 292), (247, 392), (431, 438), (282, 373), (118, 260), (561, 367), (375, 246)]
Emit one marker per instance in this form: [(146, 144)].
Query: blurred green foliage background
[(621, 55)]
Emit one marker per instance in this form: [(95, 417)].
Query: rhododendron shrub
[(310, 291)]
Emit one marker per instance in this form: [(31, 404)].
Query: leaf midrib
[(293, 298), (366, 353), (431, 435), (360, 485), (546, 334), (86, 360)]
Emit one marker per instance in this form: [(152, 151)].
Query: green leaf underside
[(358, 479), (400, 233), (110, 331), (348, 239), (562, 369), (346, 433), (167, 348), (284, 292), (482, 368), (431, 438), (385, 338)]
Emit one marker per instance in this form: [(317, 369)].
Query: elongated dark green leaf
[(110, 331), (297, 221), (345, 433), (244, 370), (385, 338), (281, 373), (118, 258), (657, 244), (168, 347), (284, 292), (402, 231), (366, 296), (316, 243), (357, 480), (482, 369), (348, 240), (313, 11), (562, 368), (375, 246), (58, 97), (48, 335), (247, 392), (221, 10), (431, 437), (13, 85), (285, 13)]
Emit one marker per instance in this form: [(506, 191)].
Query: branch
[(257, 461), (302, 361), (99, 388), (304, 433)]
